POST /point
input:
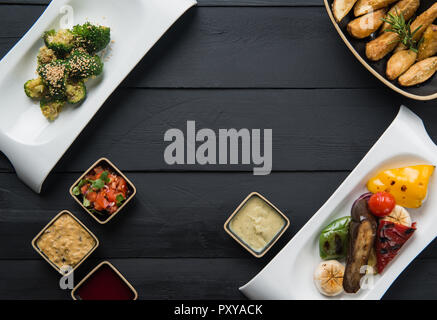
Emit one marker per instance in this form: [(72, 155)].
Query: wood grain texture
[(215, 3), (242, 47), (256, 64), (185, 278), (172, 215), (312, 129)]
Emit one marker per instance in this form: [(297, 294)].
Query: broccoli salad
[(68, 59)]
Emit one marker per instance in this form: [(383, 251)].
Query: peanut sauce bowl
[(51, 242)]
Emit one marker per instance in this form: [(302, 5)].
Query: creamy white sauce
[(257, 223)]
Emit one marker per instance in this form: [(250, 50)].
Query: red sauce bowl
[(104, 282)]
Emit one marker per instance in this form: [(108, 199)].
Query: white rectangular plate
[(290, 274), (34, 145)]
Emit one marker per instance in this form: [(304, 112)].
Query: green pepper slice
[(334, 239)]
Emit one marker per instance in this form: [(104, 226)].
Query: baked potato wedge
[(428, 46), (364, 26), (366, 6), (381, 46), (400, 62), (406, 7), (423, 21), (340, 8), (419, 72)]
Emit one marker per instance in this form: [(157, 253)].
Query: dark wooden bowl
[(424, 91)]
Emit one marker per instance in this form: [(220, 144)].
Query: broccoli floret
[(46, 55), (76, 91), (35, 89), (51, 108), (62, 41), (54, 76), (83, 66), (91, 37)]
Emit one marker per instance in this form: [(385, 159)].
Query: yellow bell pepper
[(408, 185)]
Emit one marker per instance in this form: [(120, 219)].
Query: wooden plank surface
[(215, 3), (243, 47), (173, 214), (227, 63), (176, 279), (331, 131)]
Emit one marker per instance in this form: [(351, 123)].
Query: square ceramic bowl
[(76, 296), (105, 163), (423, 91), (269, 245), (37, 249)]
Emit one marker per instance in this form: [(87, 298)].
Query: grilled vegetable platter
[(356, 247), (395, 39)]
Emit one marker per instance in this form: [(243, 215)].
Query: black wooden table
[(275, 64)]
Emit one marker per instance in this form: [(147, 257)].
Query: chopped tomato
[(101, 200), (91, 196), (98, 170), (112, 209), (111, 194), (84, 189), (122, 186), (104, 198)]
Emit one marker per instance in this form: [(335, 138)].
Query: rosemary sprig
[(403, 29)]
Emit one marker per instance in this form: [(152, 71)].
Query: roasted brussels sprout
[(91, 37), (62, 41), (35, 89), (76, 91), (54, 76), (64, 64), (83, 66), (51, 108), (46, 55)]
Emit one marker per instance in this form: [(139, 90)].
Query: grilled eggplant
[(362, 232)]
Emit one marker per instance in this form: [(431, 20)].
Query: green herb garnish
[(403, 29), (104, 176), (100, 183), (119, 198), (86, 202), (76, 190)]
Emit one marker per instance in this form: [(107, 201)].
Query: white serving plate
[(33, 144), (290, 274)]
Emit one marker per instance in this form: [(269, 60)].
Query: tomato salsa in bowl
[(103, 190)]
